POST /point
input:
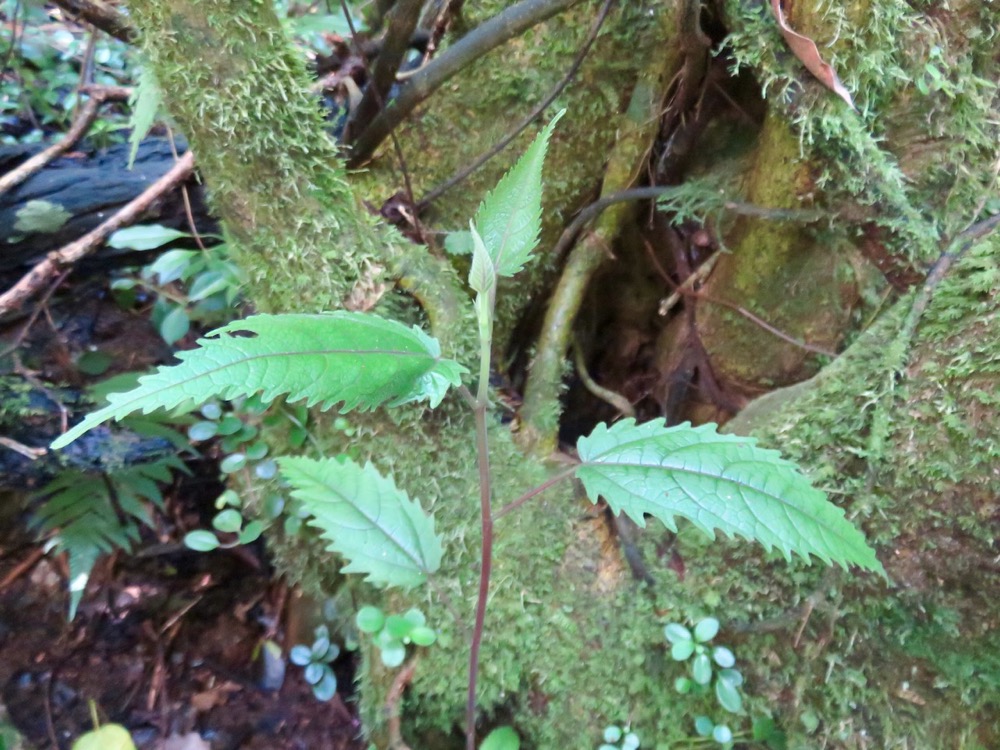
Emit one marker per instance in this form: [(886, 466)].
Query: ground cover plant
[(363, 361)]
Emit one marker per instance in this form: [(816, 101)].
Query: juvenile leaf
[(145, 103), (358, 359), (482, 274), (510, 218), (720, 482), (367, 519)]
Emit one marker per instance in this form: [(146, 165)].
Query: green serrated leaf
[(367, 519), (458, 243), (510, 218), (145, 101), (482, 274), (720, 482), (357, 359)]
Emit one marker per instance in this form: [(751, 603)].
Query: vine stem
[(485, 306)]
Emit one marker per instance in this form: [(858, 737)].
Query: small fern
[(88, 515)]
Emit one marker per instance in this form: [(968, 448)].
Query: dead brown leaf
[(805, 49)]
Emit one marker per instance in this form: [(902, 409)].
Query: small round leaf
[(251, 532), (314, 672), (631, 741), (722, 734), (393, 653), (202, 431), (108, 737), (415, 617), (706, 630), (398, 627), (728, 695), (300, 655), (676, 633), (175, 325), (228, 520), (501, 738), (701, 669), (201, 541), (326, 688), (612, 733), (733, 676), (681, 650), (319, 648), (369, 619), (211, 410), (423, 636), (683, 685), (230, 425), (703, 726), (723, 657), (233, 462)]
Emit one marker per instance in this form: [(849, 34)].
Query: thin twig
[(504, 26), (764, 324), (451, 182), (23, 567), (25, 450), (103, 16), (402, 19), (590, 212), (606, 395), (532, 493), (88, 113), (57, 260), (392, 699), (188, 212), (19, 338), (695, 277)]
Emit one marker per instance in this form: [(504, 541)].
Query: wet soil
[(167, 642)]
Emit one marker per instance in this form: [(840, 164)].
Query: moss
[(806, 288), (928, 501)]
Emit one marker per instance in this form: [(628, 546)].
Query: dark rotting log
[(77, 192)]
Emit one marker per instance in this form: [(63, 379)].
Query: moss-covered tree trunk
[(898, 425)]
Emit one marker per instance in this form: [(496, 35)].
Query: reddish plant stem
[(537, 491), (486, 566)]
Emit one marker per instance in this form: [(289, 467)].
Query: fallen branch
[(57, 260), (101, 16), (88, 113)]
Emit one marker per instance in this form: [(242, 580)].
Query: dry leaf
[(805, 49)]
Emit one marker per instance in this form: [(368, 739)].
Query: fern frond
[(89, 515)]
